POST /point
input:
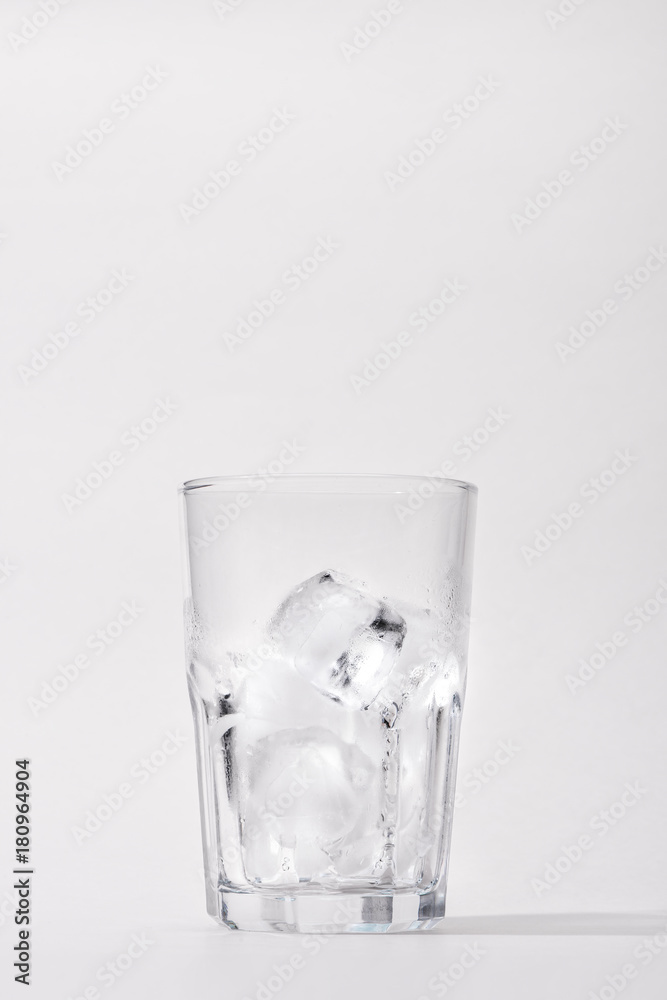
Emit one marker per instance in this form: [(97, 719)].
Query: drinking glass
[(327, 631)]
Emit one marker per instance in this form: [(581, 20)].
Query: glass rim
[(333, 483)]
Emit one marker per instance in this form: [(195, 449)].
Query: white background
[(536, 616)]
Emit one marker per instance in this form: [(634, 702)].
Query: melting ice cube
[(425, 660), (341, 639), (308, 791)]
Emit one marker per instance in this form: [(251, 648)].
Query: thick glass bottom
[(348, 913)]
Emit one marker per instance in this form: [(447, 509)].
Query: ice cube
[(274, 696), (425, 659), (308, 792), (343, 640)]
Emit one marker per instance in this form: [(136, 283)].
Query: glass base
[(344, 913)]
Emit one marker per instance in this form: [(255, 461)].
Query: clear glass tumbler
[(327, 629)]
